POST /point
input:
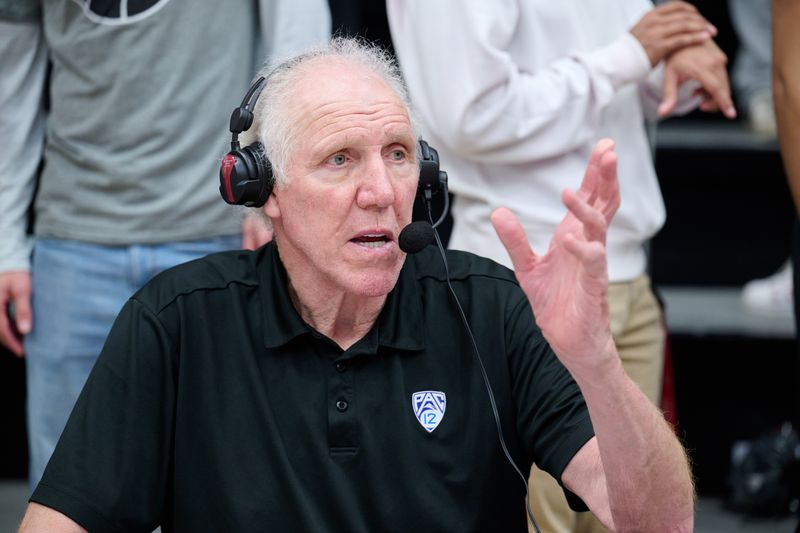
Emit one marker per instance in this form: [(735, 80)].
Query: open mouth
[(371, 240)]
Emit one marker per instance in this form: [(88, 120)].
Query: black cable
[(445, 209), (480, 363)]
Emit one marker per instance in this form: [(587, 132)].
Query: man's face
[(352, 177)]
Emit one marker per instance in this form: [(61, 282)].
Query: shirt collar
[(400, 324)]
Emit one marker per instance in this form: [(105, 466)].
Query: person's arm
[(786, 88), (634, 474), (463, 79), (691, 76), (41, 519), (23, 63)]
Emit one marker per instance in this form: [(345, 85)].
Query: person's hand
[(256, 231), (669, 27), (705, 64), (568, 286), (15, 289)]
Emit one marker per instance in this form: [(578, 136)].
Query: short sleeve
[(111, 468), (553, 420)]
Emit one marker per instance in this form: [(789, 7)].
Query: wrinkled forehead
[(331, 85)]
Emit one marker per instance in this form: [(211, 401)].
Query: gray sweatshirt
[(138, 120)]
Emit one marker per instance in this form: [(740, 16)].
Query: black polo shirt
[(214, 407)]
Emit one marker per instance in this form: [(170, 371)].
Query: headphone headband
[(245, 174)]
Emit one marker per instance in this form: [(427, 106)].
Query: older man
[(326, 382)]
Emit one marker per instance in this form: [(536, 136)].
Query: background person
[(121, 196), (528, 89)]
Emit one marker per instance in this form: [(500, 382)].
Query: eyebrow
[(402, 135)]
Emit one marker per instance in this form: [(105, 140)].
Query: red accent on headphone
[(228, 162)]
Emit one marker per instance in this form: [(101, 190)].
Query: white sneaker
[(772, 295)]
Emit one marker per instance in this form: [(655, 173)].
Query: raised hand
[(568, 286)]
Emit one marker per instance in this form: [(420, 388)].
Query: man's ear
[(272, 207)]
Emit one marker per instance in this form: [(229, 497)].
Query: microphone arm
[(417, 235), (445, 210)]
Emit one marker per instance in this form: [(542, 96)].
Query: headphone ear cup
[(265, 177), (430, 178), (245, 176)]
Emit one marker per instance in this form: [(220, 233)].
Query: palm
[(567, 287)]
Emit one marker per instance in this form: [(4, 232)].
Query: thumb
[(513, 237), (669, 92)]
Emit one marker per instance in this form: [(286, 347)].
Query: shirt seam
[(161, 308)]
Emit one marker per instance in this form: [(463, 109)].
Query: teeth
[(372, 244)]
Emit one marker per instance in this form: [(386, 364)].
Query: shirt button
[(341, 405), (341, 367)]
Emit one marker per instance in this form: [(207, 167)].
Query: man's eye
[(338, 159), (397, 155)]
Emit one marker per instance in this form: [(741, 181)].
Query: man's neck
[(341, 317)]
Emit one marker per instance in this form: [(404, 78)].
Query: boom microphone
[(416, 236)]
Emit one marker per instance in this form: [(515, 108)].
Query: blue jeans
[(752, 69), (78, 289)]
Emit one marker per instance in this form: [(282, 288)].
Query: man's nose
[(376, 188)]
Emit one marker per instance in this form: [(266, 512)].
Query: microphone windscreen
[(416, 236)]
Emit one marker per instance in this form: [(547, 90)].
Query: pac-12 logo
[(429, 406)]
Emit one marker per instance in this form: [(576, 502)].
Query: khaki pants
[(638, 330)]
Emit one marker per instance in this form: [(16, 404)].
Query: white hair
[(273, 125)]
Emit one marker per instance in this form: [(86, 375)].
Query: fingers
[(592, 220), (669, 91), (679, 8), (596, 209), (591, 183), (675, 6), (708, 105), (670, 27), (602, 147), (589, 250), (715, 82), (686, 25), (23, 314), (592, 255), (9, 337), (707, 65), (609, 186), (15, 310), (673, 43), (513, 237)]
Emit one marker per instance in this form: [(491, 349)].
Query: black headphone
[(245, 174)]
